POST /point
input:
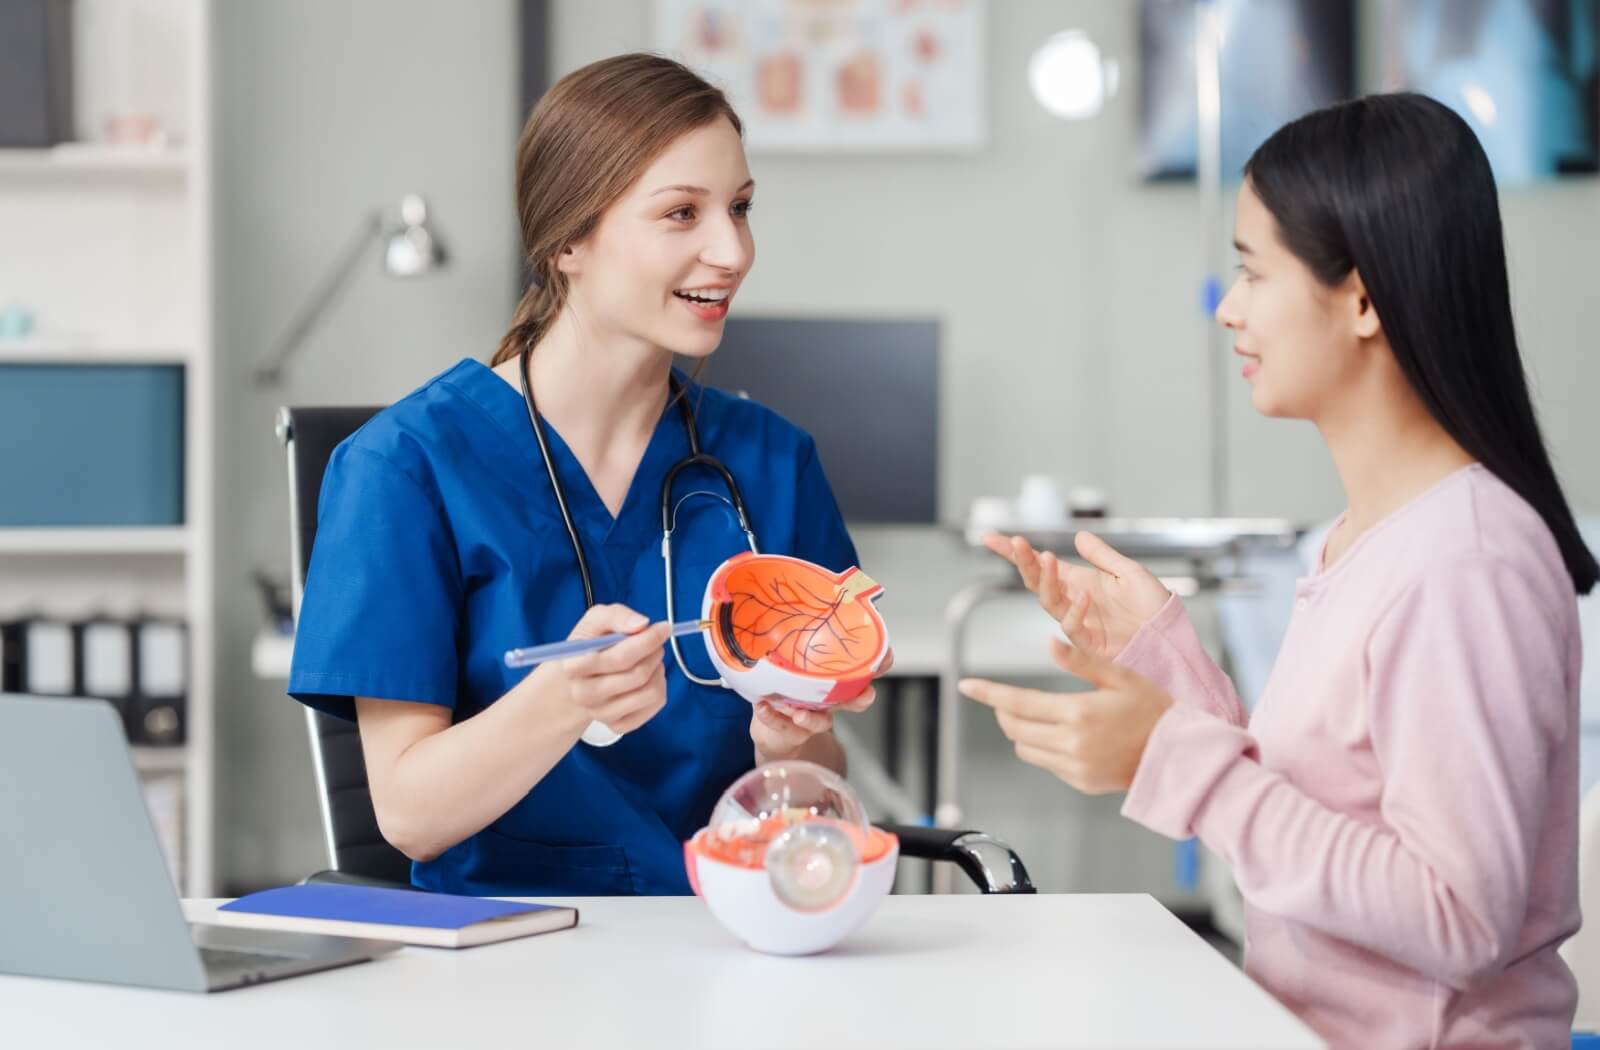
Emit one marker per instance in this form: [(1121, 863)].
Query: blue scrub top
[(439, 546)]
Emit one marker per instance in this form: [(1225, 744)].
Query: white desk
[(959, 972)]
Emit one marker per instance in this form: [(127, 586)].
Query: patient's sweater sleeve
[(1167, 651)]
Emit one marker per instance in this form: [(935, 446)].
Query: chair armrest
[(991, 864)]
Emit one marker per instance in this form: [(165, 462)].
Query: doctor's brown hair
[(589, 138)]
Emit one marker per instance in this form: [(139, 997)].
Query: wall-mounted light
[(1069, 76)]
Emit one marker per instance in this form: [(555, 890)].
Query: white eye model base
[(744, 901)]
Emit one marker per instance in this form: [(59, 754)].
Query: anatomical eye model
[(785, 627), (788, 862)]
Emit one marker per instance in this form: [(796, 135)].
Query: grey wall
[(322, 111), (1067, 291)]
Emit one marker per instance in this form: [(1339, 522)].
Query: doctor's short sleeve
[(383, 597), (820, 534)]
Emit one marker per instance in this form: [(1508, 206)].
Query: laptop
[(85, 892)]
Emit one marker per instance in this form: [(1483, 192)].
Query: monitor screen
[(1280, 59), (878, 433)]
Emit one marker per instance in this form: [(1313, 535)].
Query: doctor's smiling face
[(666, 258)]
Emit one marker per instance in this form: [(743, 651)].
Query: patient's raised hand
[(1101, 605)]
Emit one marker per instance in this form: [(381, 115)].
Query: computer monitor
[(867, 390)]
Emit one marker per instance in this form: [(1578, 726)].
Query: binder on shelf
[(106, 650), (105, 664), (13, 642), (161, 682), (39, 657)]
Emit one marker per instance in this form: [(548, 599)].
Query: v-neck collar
[(504, 405)]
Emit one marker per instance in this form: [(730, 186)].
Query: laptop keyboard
[(226, 961)]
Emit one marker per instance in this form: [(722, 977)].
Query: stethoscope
[(669, 510)]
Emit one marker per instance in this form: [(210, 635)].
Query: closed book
[(439, 920)]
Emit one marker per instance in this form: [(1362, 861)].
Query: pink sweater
[(1400, 812)]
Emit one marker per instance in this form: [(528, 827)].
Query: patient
[(1400, 811)]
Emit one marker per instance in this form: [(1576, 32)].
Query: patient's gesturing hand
[(1100, 606), (1093, 741)]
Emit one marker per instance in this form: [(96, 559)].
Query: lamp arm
[(323, 295)]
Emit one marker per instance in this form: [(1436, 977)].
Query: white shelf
[(145, 219), (173, 539), (160, 759), (95, 160), (76, 352)]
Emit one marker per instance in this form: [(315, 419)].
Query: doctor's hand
[(625, 685), (782, 730), (1100, 606), (1094, 741)]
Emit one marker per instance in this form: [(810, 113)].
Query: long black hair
[(1397, 188)]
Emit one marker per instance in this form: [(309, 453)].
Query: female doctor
[(523, 502)]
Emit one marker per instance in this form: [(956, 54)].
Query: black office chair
[(356, 847)]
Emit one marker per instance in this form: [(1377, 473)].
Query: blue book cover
[(409, 915)]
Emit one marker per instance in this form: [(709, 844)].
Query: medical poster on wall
[(838, 75)]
